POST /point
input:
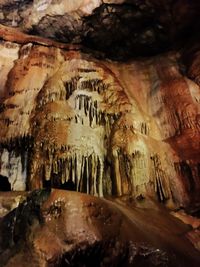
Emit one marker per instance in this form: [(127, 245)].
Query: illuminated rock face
[(62, 228), (71, 121)]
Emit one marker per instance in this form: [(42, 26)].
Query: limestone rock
[(100, 97), (70, 120), (120, 29), (61, 228)]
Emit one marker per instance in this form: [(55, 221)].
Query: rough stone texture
[(69, 229), (69, 120), (10, 201), (120, 29)]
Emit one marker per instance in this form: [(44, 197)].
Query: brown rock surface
[(118, 28), (97, 126), (70, 229), (99, 97)]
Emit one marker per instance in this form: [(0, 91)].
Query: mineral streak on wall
[(103, 127)]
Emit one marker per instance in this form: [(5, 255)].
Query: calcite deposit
[(100, 97), (96, 126)]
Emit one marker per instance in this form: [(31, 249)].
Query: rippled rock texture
[(68, 120), (61, 228)]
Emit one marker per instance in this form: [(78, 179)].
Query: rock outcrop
[(98, 126), (62, 228)]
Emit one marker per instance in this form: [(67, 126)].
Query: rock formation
[(118, 28), (100, 97), (72, 229), (98, 126)]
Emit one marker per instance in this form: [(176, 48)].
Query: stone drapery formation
[(70, 120)]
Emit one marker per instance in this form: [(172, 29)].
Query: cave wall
[(101, 127)]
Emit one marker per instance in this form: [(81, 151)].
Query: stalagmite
[(73, 166)]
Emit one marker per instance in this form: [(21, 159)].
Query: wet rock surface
[(62, 228)]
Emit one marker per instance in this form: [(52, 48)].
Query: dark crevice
[(187, 174), (4, 183)]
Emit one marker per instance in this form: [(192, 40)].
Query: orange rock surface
[(97, 126), (62, 228)]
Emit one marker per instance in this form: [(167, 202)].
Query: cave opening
[(4, 184)]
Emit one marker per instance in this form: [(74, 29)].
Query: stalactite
[(138, 172), (71, 86), (92, 112), (79, 164), (55, 167), (86, 175), (67, 171), (85, 171), (63, 173), (94, 175), (81, 189), (159, 190), (118, 182), (79, 91), (96, 85), (71, 168), (48, 169), (100, 178), (160, 179)]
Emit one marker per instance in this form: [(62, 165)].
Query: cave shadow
[(4, 184), (54, 182)]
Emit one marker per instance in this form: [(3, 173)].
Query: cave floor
[(70, 222)]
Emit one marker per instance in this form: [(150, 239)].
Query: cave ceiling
[(118, 29)]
